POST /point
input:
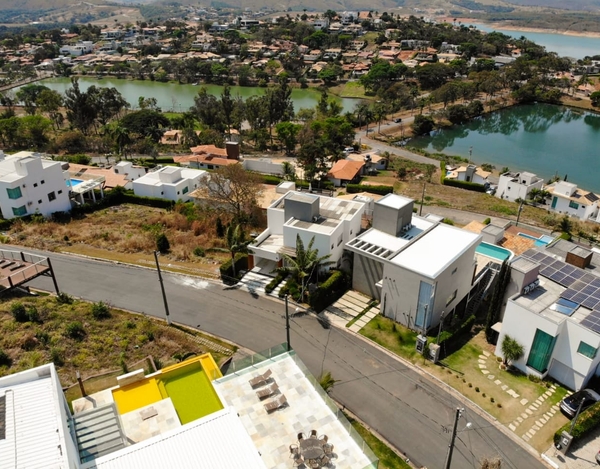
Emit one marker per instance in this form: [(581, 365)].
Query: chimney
[(233, 150), (579, 257)]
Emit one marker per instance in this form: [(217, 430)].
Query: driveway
[(406, 407)]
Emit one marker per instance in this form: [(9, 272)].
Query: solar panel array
[(581, 287)]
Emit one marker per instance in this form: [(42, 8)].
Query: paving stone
[(520, 419), (504, 387), (516, 423), (524, 415), (533, 431), (481, 365), (553, 387), (535, 404), (543, 420), (498, 382), (524, 401), (482, 357), (532, 408), (525, 437), (555, 406), (512, 427), (515, 395), (529, 411), (485, 372), (487, 354), (539, 424), (490, 376), (547, 394), (542, 398)]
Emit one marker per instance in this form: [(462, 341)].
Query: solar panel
[(590, 302), (568, 281), (588, 278), (585, 322), (568, 293), (595, 328), (557, 277), (595, 282), (548, 271), (579, 298), (594, 315), (578, 285), (577, 273), (589, 289), (567, 269), (558, 265), (535, 254)]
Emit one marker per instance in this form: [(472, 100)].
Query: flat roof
[(217, 440), (432, 253), (395, 201), (33, 425)]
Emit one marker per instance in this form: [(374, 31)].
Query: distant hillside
[(44, 5), (580, 5)]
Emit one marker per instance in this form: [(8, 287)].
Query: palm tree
[(236, 242), (121, 137), (511, 349), (565, 225), (305, 263)]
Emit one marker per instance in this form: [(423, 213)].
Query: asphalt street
[(411, 411)]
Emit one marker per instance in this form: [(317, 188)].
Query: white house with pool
[(30, 184), (418, 267), (553, 311)]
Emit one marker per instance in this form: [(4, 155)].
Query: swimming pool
[(541, 241), (495, 252), (73, 182)]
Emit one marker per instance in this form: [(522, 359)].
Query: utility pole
[(162, 288), (440, 329), (576, 416), (422, 199), (451, 446), (287, 324), (519, 212)]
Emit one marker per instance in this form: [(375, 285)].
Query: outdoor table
[(311, 448)]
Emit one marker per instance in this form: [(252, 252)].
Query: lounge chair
[(300, 436), (260, 380), (298, 460), (328, 449), (275, 404), (313, 433), (268, 391)]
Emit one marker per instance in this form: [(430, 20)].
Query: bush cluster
[(470, 186), (226, 269), (381, 190), (329, 291), (588, 421)]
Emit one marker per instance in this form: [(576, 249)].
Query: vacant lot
[(89, 338)]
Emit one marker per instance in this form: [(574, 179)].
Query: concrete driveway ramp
[(347, 307)]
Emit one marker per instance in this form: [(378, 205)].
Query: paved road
[(407, 408)]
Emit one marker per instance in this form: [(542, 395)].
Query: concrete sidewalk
[(582, 455)]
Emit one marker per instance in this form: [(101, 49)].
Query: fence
[(37, 265), (279, 352)]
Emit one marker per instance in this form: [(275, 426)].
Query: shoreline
[(512, 27)]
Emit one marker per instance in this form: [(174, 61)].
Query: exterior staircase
[(98, 432), (482, 288)]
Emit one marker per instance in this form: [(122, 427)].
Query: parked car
[(570, 404), (397, 120)]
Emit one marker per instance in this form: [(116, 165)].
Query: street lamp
[(437, 341), (469, 425), (422, 199), (162, 288), (287, 324), (519, 212)]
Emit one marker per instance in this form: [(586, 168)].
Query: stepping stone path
[(529, 409)]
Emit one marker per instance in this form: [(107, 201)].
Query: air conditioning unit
[(29, 203), (526, 290)]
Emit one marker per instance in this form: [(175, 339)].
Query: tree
[(511, 350), (595, 98), (146, 124), (49, 102), (305, 263), (80, 106), (565, 225), (538, 196), (29, 95), (120, 135), (422, 124), (487, 463), (236, 242), (432, 76), (108, 102), (327, 382), (234, 189), (287, 133)]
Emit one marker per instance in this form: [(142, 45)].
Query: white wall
[(584, 211), (264, 166), (400, 294), (509, 190)]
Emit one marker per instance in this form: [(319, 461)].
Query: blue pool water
[(495, 252), (73, 182), (541, 241)]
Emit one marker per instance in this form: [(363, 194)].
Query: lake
[(541, 138), (179, 98), (564, 45)]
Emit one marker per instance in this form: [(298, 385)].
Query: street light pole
[(422, 199), (451, 446), (437, 341), (162, 288), (287, 324), (519, 212)]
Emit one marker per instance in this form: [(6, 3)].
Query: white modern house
[(169, 182), (130, 171), (81, 48), (568, 199), (517, 185), (417, 267), (468, 173), (30, 184), (332, 222), (554, 313)]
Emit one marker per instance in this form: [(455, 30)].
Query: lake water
[(563, 44), (179, 98), (541, 138)]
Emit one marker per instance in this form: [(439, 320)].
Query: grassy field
[(76, 339), (461, 370), (351, 89)]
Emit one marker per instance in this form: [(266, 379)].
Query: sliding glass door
[(541, 351)]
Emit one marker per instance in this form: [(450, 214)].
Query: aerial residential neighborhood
[(312, 238)]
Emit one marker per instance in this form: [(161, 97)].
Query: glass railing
[(248, 364)]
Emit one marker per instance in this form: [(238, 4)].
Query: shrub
[(100, 310), (122, 363), (476, 389), (273, 283), (487, 221), (381, 190), (588, 421), (470, 385), (482, 394), (162, 243), (499, 405), (75, 330), (226, 270), (443, 171), (129, 325), (270, 179), (5, 360), (448, 221), (43, 337), (33, 315), (19, 312), (57, 355), (64, 298), (329, 291), (199, 252), (492, 400), (470, 186)]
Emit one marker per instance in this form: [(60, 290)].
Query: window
[(19, 211), (40, 201), (455, 270), (35, 184), (574, 205), (60, 192), (451, 297), (340, 240), (42, 182), (541, 351), (14, 193), (425, 299), (185, 190), (587, 350), (51, 196)]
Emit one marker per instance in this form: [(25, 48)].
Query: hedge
[(450, 341), (241, 263), (270, 179), (329, 291), (381, 190), (118, 196), (443, 175), (588, 420), (272, 285), (470, 186)]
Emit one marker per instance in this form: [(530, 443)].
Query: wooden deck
[(18, 268)]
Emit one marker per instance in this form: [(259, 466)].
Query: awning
[(497, 327)]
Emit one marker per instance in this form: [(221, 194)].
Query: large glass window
[(586, 350), (541, 351), (14, 193), (423, 305), (19, 211), (574, 205)]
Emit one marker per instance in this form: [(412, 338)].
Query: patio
[(308, 407)]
